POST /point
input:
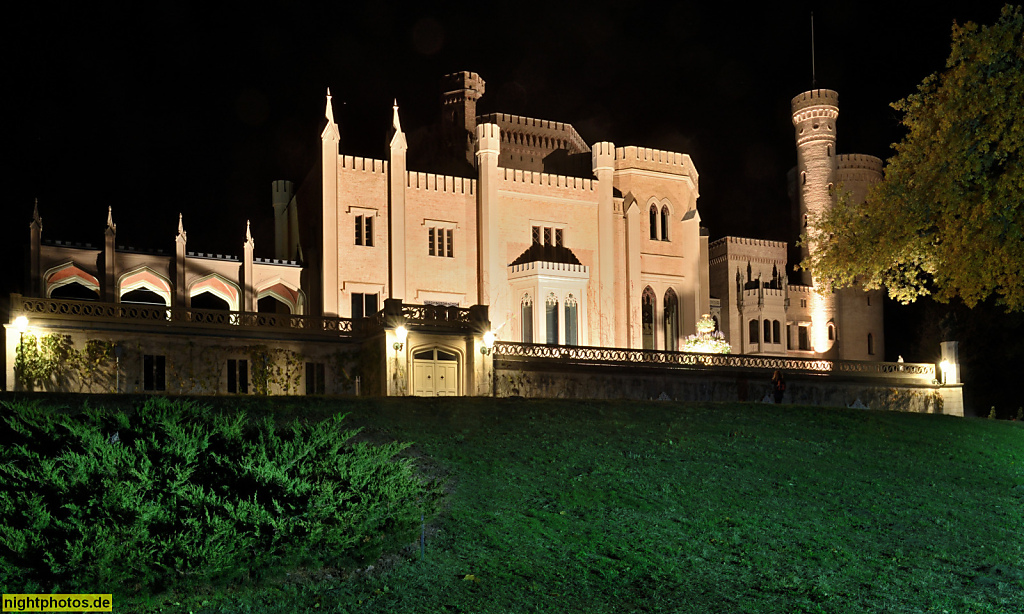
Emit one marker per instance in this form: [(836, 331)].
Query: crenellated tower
[(460, 92), (814, 118)]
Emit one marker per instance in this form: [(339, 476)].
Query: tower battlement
[(655, 160), (815, 98), (859, 161)]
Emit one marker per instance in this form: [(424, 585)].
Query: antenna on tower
[(814, 77)]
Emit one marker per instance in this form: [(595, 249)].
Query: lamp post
[(945, 366), (488, 345)]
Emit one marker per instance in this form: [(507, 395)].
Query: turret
[(488, 147), (814, 118), (460, 90), (281, 197)]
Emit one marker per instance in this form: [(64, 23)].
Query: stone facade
[(559, 242)]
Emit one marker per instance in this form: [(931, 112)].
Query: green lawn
[(565, 506)]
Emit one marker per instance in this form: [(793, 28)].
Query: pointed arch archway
[(284, 293), (69, 281), (670, 320), (219, 287), (145, 279), (647, 301)]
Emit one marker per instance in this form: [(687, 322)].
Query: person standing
[(778, 385)]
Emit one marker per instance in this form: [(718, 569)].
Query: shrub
[(173, 491)]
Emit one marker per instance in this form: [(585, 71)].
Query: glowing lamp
[(945, 366), (488, 343), (21, 324), (401, 334)]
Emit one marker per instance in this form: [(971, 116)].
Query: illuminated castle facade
[(564, 243)]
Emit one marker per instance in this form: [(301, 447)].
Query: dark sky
[(197, 109)]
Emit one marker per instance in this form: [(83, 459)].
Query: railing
[(917, 371), (154, 314), (436, 315)]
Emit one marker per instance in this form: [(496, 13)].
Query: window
[(440, 243), (558, 237), (804, 341), (752, 336), (871, 344), (831, 332), (789, 337), (536, 235), (869, 300), (551, 320), (363, 305), (671, 304), (664, 223), (238, 376), (547, 236), (570, 321), (776, 331), (647, 318), (767, 331), (527, 311), (154, 372), (364, 230), (315, 377), (654, 223)]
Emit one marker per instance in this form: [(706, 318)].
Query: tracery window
[(571, 325), (526, 309), (551, 319)]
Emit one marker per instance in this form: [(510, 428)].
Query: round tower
[(814, 118)]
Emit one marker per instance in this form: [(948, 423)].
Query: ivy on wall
[(51, 362)]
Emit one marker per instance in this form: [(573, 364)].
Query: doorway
[(435, 372)]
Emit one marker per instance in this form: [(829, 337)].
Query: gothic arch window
[(754, 327), (871, 344), (767, 331), (551, 318), (776, 331), (654, 223), (67, 281), (571, 321), (214, 292), (647, 317), (671, 320), (526, 308), (664, 223), (144, 285), (831, 332)]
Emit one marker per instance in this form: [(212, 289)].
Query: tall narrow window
[(767, 331), (547, 237), (363, 305), (671, 317), (238, 376), (527, 315), (776, 331), (536, 235), (570, 321), (831, 332), (664, 223), (551, 319), (647, 317), (359, 230), (368, 231), (789, 336), (654, 223), (871, 344), (804, 338), (153, 372), (430, 242), (450, 249), (754, 327), (558, 237), (315, 377)]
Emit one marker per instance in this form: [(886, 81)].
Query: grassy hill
[(566, 506)]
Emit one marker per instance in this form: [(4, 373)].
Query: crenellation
[(438, 183), (565, 182), (654, 159), (358, 163)]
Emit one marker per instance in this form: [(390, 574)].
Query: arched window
[(715, 319), (831, 332), (767, 331), (754, 326), (647, 318), (551, 323), (527, 312), (570, 321), (664, 223), (654, 223), (671, 319), (776, 331), (871, 345)]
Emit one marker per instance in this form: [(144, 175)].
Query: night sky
[(195, 109)]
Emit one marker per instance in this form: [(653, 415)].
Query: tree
[(947, 218)]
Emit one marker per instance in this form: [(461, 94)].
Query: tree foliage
[(947, 219)]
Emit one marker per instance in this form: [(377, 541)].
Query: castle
[(532, 237)]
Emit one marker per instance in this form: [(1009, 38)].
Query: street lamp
[(945, 366)]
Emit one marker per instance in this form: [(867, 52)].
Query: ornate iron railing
[(436, 315), (919, 371), (46, 308)]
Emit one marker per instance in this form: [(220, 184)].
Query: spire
[(110, 219), (329, 113), (36, 220), (396, 125), (248, 235), (330, 131), (397, 136), (181, 231)]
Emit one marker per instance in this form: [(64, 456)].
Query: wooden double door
[(435, 372)]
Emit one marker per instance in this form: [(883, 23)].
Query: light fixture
[(485, 349), (401, 334), (945, 367), (21, 324)]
